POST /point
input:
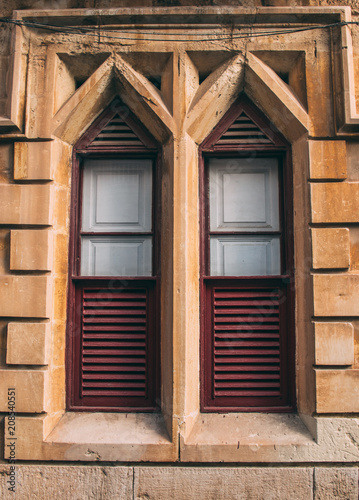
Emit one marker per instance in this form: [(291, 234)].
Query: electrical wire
[(99, 31)]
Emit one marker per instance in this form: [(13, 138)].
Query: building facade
[(179, 251)]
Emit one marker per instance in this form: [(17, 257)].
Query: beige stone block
[(334, 483), (354, 248), (27, 343), (6, 162), (69, 483), (223, 483), (331, 248), (25, 204), (29, 387), (336, 294), (328, 159), (337, 391), (334, 343), (25, 296), (335, 202), (32, 161), (31, 250)]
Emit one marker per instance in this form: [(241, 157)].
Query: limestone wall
[(306, 83)]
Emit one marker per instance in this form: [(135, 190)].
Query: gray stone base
[(47, 482)]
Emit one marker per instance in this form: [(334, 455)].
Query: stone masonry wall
[(307, 83)]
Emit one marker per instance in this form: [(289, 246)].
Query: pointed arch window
[(247, 266), (114, 285)]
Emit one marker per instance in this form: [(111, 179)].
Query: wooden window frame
[(85, 149), (285, 282)]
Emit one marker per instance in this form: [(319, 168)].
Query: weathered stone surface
[(27, 343), (32, 161), (31, 250), (163, 483), (68, 483), (354, 248), (331, 248), (25, 296), (29, 390), (334, 343), (6, 159), (334, 483), (327, 159), (336, 294), (335, 202), (25, 204), (337, 391)]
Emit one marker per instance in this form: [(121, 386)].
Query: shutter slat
[(114, 310), (113, 328), (245, 319), (238, 335), (248, 327), (246, 303), (105, 294), (114, 343), (249, 393)]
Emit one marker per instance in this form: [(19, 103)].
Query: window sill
[(112, 437), (249, 437)]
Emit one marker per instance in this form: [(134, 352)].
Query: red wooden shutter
[(115, 345), (245, 343), (114, 342)]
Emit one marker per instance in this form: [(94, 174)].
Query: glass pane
[(244, 194), (245, 256), (117, 195), (116, 256)]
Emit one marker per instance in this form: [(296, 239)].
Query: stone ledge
[(270, 438), (117, 437)]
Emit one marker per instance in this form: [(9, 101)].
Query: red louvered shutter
[(246, 348), (115, 346)]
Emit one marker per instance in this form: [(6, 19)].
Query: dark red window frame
[(220, 387), (136, 298)]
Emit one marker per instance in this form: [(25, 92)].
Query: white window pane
[(245, 256), (117, 195), (116, 255), (244, 194)]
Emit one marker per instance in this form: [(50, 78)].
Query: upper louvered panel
[(114, 342), (117, 133), (246, 345), (244, 131)]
